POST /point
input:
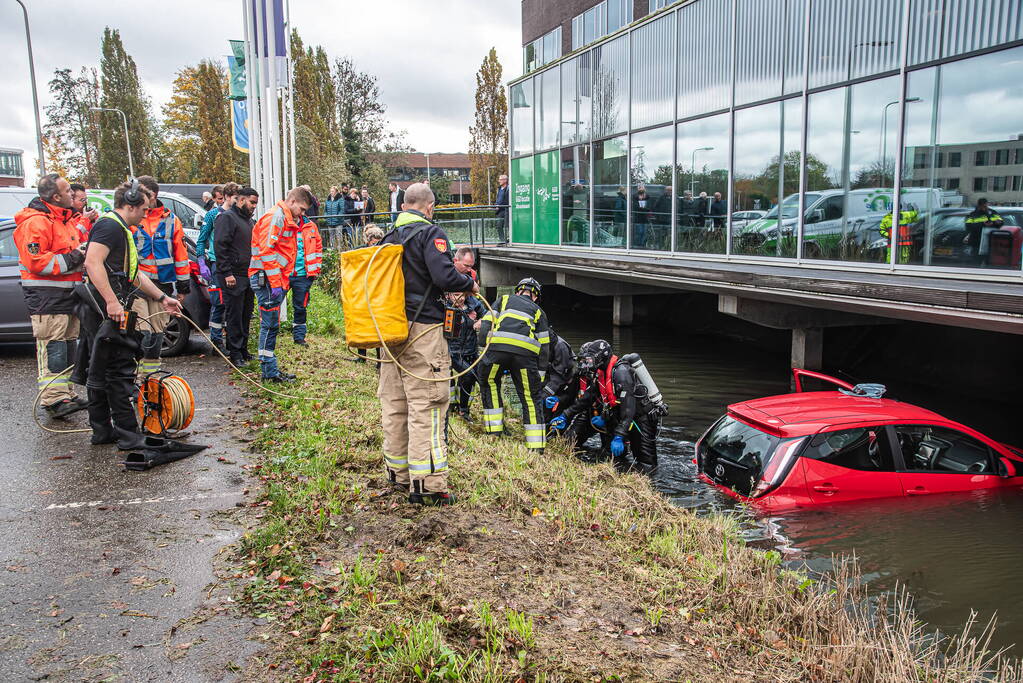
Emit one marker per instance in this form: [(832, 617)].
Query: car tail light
[(778, 468)]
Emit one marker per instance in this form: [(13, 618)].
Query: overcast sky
[(424, 54)]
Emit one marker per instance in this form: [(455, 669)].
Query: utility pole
[(35, 93), (127, 140)]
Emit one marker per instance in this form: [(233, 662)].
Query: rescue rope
[(429, 328)]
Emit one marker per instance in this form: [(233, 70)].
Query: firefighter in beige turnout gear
[(414, 410)]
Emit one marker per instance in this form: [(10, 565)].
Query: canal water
[(953, 553)]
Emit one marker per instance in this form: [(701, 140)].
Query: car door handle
[(917, 491), (826, 488)]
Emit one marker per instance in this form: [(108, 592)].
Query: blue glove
[(551, 403), (617, 446), (558, 423), (598, 422), (276, 293)]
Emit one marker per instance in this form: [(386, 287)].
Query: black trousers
[(526, 378), (238, 303), (110, 381), (642, 440), (467, 382)]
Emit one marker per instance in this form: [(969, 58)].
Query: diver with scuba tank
[(620, 401), (562, 381)]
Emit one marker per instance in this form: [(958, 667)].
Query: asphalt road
[(107, 574)]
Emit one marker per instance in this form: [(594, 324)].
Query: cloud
[(424, 55)]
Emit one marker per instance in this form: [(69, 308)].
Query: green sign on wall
[(522, 200), (547, 188)]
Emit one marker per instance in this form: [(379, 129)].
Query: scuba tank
[(653, 394)]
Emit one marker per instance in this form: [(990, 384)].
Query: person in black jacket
[(464, 349), (562, 381), (232, 244), (413, 407), (617, 401), (520, 346), (369, 207)]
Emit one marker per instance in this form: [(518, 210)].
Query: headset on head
[(133, 196)]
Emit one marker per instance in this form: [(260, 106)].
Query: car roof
[(809, 412)]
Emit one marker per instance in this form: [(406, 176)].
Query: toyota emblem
[(719, 470)]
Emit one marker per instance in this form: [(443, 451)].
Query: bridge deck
[(990, 305)]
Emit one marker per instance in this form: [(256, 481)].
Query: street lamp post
[(692, 182), (884, 136), (127, 140), (35, 94), (489, 203)]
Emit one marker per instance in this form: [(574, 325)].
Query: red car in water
[(815, 448)]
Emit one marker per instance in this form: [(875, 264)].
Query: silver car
[(14, 322)]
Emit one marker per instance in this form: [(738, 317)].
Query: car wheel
[(175, 337)]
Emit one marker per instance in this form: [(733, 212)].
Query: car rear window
[(735, 454)]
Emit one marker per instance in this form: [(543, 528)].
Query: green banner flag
[(236, 68)]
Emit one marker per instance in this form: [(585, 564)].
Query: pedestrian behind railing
[(474, 226)]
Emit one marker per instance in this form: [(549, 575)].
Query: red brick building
[(453, 166)]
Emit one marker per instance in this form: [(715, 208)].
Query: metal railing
[(473, 226)]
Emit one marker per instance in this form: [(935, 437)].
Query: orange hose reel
[(165, 403)]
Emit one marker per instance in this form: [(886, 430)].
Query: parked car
[(14, 199), (740, 219), (815, 448), (15, 326), (948, 230)]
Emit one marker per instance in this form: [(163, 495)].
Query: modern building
[(452, 166), (643, 125), (12, 170)]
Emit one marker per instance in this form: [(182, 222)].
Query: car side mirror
[(1006, 468), (816, 216)]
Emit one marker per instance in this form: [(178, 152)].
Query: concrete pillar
[(621, 310), (808, 348)]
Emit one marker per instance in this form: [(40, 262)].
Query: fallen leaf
[(537, 512), (397, 566), (184, 646), (327, 624), (294, 633), (61, 457)]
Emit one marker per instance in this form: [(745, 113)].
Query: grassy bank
[(547, 568)]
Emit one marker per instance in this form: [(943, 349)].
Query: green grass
[(526, 577)]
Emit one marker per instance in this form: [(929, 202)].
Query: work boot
[(218, 344), (435, 498), (66, 407), (237, 359), (246, 356), (287, 375), (280, 379), (301, 342)]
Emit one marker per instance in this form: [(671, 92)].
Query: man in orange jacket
[(51, 261), (308, 254), (82, 215), (274, 247), (163, 257)]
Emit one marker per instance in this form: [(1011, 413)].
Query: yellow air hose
[(394, 359)]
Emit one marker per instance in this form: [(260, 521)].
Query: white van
[(837, 224), (14, 199)]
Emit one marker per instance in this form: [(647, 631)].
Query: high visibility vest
[(132, 262), (515, 325), (157, 251)]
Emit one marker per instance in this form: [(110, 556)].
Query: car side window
[(926, 448), (863, 448), (8, 250)]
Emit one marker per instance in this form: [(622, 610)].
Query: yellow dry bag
[(386, 296)]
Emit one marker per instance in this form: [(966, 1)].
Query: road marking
[(135, 501)]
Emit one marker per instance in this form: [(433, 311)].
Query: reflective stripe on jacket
[(274, 241), (160, 241), (313, 246), (47, 241), (519, 327)]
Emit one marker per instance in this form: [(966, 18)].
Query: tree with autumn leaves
[(488, 135), (197, 120)]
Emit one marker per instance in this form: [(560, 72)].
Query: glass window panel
[(967, 112), (792, 37), (577, 32), (611, 87), (792, 110), (976, 24), (755, 184), (575, 195), (576, 103), (522, 118), (702, 177), (615, 15), (548, 109), (529, 57), (925, 22), (853, 39), (759, 53), (705, 63), (650, 190), (590, 26), (653, 72), (522, 200), (610, 203)]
